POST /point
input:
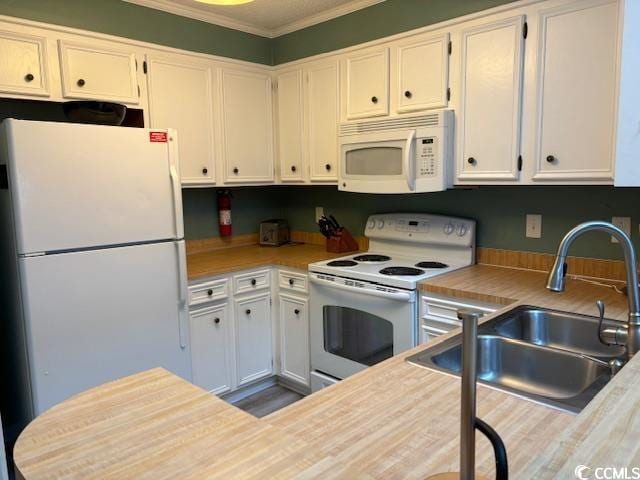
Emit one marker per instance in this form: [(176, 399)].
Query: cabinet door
[(294, 338), (211, 359), (290, 126), (100, 74), (367, 84), (490, 113), (254, 346), (23, 68), (247, 135), (180, 97), (423, 74), (577, 91), (321, 107)]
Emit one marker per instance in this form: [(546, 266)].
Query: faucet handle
[(600, 305)]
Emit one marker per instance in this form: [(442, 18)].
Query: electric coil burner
[(369, 257), (403, 271), (342, 263), (431, 265)]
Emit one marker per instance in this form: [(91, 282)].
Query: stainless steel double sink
[(545, 355)]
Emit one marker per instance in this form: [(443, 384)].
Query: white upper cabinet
[(321, 120), (489, 115), (90, 72), (577, 91), (211, 343), (366, 83), (23, 64), (246, 126), (422, 73), (290, 126), (181, 97)]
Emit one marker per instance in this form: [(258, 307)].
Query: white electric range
[(364, 306)]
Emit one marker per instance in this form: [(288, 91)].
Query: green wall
[(249, 206), (380, 20), (500, 212), (116, 17)]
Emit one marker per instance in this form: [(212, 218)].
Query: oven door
[(383, 162), (353, 327)]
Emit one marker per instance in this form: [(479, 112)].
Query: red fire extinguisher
[(224, 212)]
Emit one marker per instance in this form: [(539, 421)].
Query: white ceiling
[(269, 18)]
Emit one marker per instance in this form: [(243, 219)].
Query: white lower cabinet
[(254, 345), (294, 338), (211, 342)]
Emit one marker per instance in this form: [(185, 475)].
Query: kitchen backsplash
[(500, 212)]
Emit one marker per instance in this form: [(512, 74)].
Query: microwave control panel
[(427, 153)]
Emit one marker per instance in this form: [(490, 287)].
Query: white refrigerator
[(94, 253)]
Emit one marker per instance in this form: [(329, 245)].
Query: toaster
[(274, 232)]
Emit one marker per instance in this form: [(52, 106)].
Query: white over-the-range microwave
[(397, 155)]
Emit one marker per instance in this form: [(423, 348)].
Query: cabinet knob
[(235, 170), (253, 282), (210, 292), (29, 77), (291, 282), (247, 311), (374, 99), (408, 94), (551, 159), (296, 311), (471, 161), (293, 168), (327, 167), (216, 320), (205, 170), (81, 82)]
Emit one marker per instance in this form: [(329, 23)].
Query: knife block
[(342, 242)]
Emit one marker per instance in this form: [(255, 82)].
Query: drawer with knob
[(210, 291), (292, 281), (251, 282)]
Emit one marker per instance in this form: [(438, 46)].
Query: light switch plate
[(534, 226), (319, 213), (623, 223)]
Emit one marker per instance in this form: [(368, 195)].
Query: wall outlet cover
[(534, 226), (319, 213), (623, 223)]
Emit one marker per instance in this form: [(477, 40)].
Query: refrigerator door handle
[(184, 293), (175, 183)]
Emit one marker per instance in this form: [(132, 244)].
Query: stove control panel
[(422, 228)]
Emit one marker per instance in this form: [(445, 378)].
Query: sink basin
[(544, 355), (566, 331)]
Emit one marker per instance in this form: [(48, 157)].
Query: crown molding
[(224, 21)]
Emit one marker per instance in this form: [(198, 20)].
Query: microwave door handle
[(408, 164)]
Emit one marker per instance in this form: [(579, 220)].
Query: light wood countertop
[(225, 260), (391, 421)]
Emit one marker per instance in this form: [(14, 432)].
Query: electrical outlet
[(623, 223), (319, 213), (534, 226)]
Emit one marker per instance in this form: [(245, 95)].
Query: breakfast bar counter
[(391, 421)]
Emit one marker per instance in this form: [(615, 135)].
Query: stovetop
[(397, 271), (406, 249)]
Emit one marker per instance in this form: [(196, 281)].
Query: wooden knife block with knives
[(339, 240)]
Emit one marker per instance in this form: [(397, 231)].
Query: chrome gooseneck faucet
[(626, 335)]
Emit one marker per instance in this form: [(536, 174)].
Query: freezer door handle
[(175, 183), (184, 293)]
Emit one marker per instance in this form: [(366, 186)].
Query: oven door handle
[(404, 296)]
